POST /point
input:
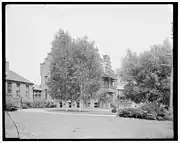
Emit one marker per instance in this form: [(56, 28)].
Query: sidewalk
[(86, 112)]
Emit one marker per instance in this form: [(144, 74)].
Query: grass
[(53, 126)]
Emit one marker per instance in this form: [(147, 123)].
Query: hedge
[(38, 104), (149, 111)]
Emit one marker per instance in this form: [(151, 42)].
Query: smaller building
[(17, 87), (37, 93)]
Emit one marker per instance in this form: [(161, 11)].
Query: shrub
[(11, 107), (126, 112), (50, 104), (26, 104), (39, 104), (12, 104), (149, 111), (114, 110), (153, 109)]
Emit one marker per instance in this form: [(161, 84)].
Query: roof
[(103, 91), (15, 77), (113, 76), (109, 73), (120, 87), (36, 87)]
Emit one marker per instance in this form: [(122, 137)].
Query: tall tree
[(76, 69), (146, 75)]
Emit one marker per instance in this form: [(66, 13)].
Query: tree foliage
[(147, 76), (75, 67)]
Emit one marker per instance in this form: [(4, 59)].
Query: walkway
[(84, 112)]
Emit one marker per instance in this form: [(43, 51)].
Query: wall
[(44, 69), (22, 91)]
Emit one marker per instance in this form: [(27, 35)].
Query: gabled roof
[(15, 77)]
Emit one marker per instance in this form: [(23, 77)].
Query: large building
[(109, 77), (18, 86)]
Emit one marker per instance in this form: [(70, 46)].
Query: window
[(33, 96), (27, 90), (45, 93), (39, 95), (45, 77), (18, 89), (9, 88)]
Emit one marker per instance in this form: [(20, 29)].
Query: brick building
[(17, 86)]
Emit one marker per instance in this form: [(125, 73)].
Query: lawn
[(56, 126)]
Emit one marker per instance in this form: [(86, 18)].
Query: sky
[(30, 30)]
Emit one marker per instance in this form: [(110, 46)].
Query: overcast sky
[(31, 29)]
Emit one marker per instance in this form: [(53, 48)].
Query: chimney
[(7, 67)]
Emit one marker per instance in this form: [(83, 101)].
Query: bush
[(159, 113), (12, 104), (131, 113), (26, 104), (10, 107), (39, 104), (149, 111), (114, 110), (50, 104)]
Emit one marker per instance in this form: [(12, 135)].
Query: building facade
[(17, 87), (37, 93), (109, 76), (109, 79)]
